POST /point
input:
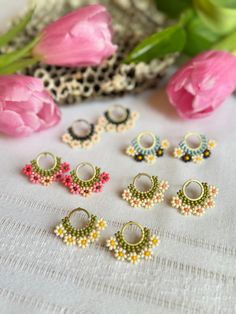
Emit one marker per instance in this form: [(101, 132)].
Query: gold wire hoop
[(113, 117), (83, 164), (190, 134), (186, 184), (81, 121), (79, 209), (142, 174), (44, 154), (142, 134), (130, 223)]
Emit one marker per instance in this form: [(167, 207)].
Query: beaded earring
[(133, 252), (148, 198), (77, 185), (80, 237), (149, 153), (112, 120), (77, 140), (196, 206), (37, 174), (187, 152)]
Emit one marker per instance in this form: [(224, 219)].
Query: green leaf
[(173, 9), (16, 29), (18, 54), (199, 37), (231, 4), (218, 15), (186, 16), (227, 43), (17, 66), (158, 45)]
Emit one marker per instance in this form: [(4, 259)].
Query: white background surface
[(193, 270)]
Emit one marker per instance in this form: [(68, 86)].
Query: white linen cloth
[(193, 269)]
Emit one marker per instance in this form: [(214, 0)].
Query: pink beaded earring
[(77, 185), (45, 176)]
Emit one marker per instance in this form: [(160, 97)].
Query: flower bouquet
[(89, 74)]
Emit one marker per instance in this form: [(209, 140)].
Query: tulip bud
[(80, 38), (25, 106), (201, 85)]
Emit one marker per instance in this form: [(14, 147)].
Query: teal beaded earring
[(149, 152), (188, 152)]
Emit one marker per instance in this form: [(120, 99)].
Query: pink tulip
[(202, 85), (80, 38), (25, 106)]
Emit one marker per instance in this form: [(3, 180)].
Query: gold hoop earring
[(148, 198), (188, 152), (197, 206), (81, 237), (85, 187), (149, 152), (86, 140), (118, 118), (38, 174), (133, 252)]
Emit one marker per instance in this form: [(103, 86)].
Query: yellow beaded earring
[(81, 237), (133, 252)]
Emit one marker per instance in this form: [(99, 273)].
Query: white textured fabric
[(193, 270), (194, 267)]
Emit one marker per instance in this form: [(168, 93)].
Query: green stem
[(17, 66), (227, 43), (16, 29), (18, 54)]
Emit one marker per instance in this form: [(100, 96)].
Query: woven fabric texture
[(193, 269)]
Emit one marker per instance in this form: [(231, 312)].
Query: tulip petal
[(12, 124), (25, 107), (202, 85), (18, 87), (80, 38)]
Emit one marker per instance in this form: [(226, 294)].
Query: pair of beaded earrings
[(116, 119), (185, 150), (122, 248), (57, 172), (185, 203)]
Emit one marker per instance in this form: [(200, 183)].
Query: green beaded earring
[(148, 198), (85, 187), (38, 174), (81, 237), (197, 206), (133, 252)]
